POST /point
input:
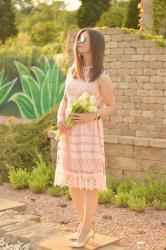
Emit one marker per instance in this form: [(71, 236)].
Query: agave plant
[(41, 92), (5, 88)]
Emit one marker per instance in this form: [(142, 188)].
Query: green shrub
[(120, 199), (55, 191), (155, 189), (18, 177), (19, 142), (136, 203), (111, 183), (125, 186), (159, 40), (159, 205), (66, 192), (105, 196), (51, 49), (37, 184), (138, 189), (41, 176)]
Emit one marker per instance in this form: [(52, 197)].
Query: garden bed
[(136, 230)]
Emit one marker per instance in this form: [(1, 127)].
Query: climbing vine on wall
[(159, 13)]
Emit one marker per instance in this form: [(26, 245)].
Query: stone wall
[(135, 134)]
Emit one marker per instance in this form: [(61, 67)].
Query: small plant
[(158, 39), (120, 199), (136, 203), (155, 189), (138, 189), (66, 192), (18, 177), (159, 205), (105, 196), (111, 183), (37, 184), (55, 191), (125, 186), (41, 176)]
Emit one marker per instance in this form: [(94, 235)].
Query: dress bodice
[(75, 87)]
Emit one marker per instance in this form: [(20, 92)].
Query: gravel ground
[(143, 231), (10, 246)]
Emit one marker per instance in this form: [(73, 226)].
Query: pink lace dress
[(80, 152)]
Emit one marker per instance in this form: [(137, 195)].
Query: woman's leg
[(91, 202), (78, 197)]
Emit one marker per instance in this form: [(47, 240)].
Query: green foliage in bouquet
[(40, 93), (85, 103)]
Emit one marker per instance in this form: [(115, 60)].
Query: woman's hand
[(83, 117), (61, 125)]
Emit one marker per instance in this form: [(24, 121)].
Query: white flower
[(92, 97), (92, 108), (92, 100), (85, 95), (81, 98)]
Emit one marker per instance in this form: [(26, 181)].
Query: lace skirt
[(80, 157)]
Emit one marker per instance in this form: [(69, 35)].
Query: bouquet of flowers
[(85, 103)]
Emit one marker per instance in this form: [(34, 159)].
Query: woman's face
[(83, 43)]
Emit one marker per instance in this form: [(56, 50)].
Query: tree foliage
[(132, 15), (26, 6), (159, 14), (90, 11), (114, 16), (44, 24), (43, 33), (7, 20)]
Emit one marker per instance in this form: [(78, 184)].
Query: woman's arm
[(63, 103), (62, 107), (106, 89)]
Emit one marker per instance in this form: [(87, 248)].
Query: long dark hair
[(97, 45)]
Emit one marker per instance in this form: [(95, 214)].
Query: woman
[(80, 153)]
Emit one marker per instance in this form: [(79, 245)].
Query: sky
[(72, 4)]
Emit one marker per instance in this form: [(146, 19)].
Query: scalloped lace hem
[(92, 181)]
